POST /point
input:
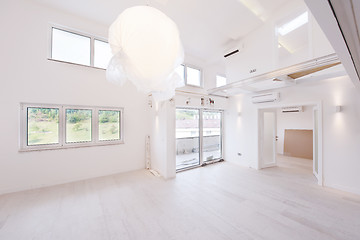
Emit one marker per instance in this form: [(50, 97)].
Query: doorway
[(291, 137), (199, 137)]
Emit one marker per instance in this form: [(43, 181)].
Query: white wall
[(298, 120), (341, 131), (27, 76)]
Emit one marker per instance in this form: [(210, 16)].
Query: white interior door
[(268, 138), (315, 142)]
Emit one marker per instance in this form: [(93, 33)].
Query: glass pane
[(193, 76), (70, 47), (220, 81), (212, 135), (109, 125), (268, 138), (187, 138), (102, 54), (42, 126), (78, 125), (181, 71), (293, 40)]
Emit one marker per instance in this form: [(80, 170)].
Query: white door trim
[(261, 131), (318, 105)]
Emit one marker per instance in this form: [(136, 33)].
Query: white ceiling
[(206, 26)]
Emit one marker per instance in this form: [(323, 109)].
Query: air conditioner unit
[(266, 97), (292, 109), (233, 50)]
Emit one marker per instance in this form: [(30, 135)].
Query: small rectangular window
[(70, 47), (42, 126), (102, 54), (193, 76), (109, 125), (220, 81), (78, 125)]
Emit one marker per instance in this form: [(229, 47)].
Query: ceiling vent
[(266, 97), (292, 109)]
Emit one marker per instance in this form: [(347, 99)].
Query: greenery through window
[(42, 126), (57, 126), (78, 125), (109, 125)]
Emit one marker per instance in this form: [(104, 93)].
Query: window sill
[(76, 64), (69, 146)]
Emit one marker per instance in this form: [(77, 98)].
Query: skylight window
[(293, 24)]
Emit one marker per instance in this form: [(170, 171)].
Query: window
[(58, 126), (109, 125), (78, 125), (192, 76), (293, 24), (102, 54), (71, 47), (42, 126), (198, 137), (220, 81)]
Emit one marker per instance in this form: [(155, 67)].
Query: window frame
[(201, 76), (24, 147), (216, 80), (74, 31), (185, 75)]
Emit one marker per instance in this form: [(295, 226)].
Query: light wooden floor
[(220, 201)]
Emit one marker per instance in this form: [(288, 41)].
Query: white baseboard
[(343, 188)]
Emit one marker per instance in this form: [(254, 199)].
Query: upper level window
[(72, 47), (192, 76), (220, 81), (293, 24), (102, 54)]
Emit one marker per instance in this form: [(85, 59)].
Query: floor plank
[(220, 201)]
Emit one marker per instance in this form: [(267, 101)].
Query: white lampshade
[(146, 49)]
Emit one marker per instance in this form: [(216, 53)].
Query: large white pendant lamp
[(146, 50)]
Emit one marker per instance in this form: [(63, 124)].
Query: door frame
[(316, 104), (201, 135), (260, 135)]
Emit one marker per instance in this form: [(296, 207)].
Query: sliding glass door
[(212, 135), (198, 137), (187, 138)]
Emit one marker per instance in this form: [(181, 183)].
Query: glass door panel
[(187, 138), (212, 135)]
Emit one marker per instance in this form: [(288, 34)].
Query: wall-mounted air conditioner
[(266, 97), (230, 51), (292, 109)]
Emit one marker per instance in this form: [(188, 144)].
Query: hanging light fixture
[(146, 50)]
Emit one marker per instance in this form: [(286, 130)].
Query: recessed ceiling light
[(293, 24)]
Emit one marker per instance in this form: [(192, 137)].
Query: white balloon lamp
[(146, 50)]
